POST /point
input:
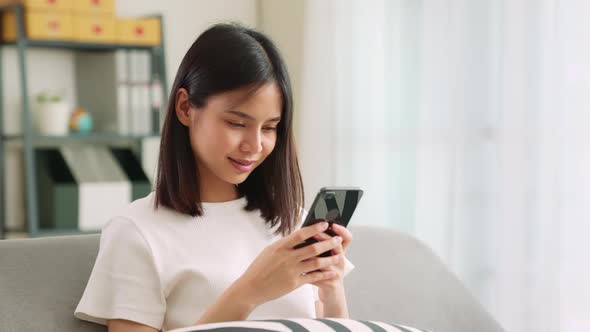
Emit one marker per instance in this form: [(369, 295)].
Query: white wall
[(48, 70), (283, 22), (184, 20)]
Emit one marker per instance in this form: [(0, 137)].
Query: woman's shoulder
[(144, 215)]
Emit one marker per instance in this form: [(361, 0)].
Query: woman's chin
[(237, 179)]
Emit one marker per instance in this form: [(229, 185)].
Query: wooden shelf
[(98, 138), (33, 143), (79, 46), (42, 141)]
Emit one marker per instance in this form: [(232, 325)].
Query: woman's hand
[(339, 250), (280, 269), (331, 291)]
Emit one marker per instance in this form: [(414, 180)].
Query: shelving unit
[(32, 141)]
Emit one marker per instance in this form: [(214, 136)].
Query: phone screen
[(334, 205)]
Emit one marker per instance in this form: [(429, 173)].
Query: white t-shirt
[(164, 269)]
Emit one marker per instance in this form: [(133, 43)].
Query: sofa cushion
[(398, 279), (42, 280), (301, 325)]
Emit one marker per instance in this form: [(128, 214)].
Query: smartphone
[(334, 205)]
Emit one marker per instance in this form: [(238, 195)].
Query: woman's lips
[(240, 166)]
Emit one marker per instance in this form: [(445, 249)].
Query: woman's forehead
[(260, 103)]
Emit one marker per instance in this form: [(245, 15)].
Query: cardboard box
[(59, 5), (96, 7), (94, 29), (40, 25), (144, 31)]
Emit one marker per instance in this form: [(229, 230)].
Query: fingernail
[(338, 238), (324, 224)]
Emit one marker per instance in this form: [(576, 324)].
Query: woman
[(214, 242)]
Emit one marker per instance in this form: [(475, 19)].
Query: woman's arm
[(332, 302), (319, 309), (232, 305), (121, 325), (229, 307), (332, 296), (278, 270)]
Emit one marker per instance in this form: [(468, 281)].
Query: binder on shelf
[(140, 108), (123, 109), (140, 77), (103, 185), (123, 93), (57, 192), (140, 66), (122, 63)]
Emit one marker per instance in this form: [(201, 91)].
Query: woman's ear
[(183, 107)]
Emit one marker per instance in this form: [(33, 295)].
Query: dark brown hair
[(223, 58)]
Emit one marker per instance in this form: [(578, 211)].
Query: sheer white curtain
[(467, 123)]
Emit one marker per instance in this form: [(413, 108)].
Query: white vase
[(53, 118)]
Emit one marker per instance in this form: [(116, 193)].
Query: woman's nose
[(252, 142)]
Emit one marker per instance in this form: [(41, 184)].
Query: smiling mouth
[(240, 166), (242, 162)]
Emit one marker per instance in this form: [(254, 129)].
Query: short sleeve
[(348, 266), (124, 283)]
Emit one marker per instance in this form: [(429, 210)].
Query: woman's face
[(234, 133)]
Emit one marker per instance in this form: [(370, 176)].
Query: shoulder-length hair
[(223, 58)]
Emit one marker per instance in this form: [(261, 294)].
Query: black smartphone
[(334, 205)]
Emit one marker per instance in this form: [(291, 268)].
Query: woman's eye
[(241, 125), (235, 124)]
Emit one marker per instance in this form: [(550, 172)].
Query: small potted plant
[(53, 114)]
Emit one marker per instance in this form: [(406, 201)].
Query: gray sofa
[(396, 280)]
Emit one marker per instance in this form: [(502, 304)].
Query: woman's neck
[(215, 190), (223, 194)]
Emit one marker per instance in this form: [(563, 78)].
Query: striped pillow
[(301, 325)]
